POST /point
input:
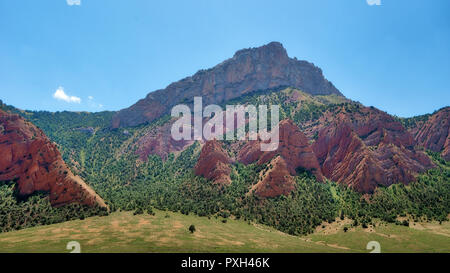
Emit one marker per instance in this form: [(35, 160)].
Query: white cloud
[(90, 97), (61, 95), (73, 2)]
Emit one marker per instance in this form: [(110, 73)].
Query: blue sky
[(105, 55)]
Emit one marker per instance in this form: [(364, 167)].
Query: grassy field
[(419, 237), (168, 232)]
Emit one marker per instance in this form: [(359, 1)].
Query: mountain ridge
[(268, 66)]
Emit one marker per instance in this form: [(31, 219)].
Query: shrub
[(192, 228), (138, 211)]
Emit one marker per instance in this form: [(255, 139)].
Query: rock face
[(29, 158), (275, 181), (293, 147), (293, 154), (159, 141), (446, 153), (366, 148), (249, 70), (434, 134), (214, 163)]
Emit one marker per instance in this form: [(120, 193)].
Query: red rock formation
[(275, 181), (29, 158), (293, 153), (159, 141), (249, 70), (293, 147), (214, 163), (446, 152), (365, 148), (434, 134)]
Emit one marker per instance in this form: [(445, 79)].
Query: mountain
[(261, 68), (31, 160), (293, 155), (433, 132), (357, 146), (335, 157)]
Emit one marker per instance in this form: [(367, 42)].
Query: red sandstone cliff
[(214, 163), (294, 153), (434, 134), (33, 161), (365, 147), (275, 181), (159, 141)]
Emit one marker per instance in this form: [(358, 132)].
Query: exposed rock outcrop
[(159, 141), (249, 70), (366, 148), (434, 134), (446, 152), (30, 159), (275, 181), (293, 154), (293, 147), (214, 163)]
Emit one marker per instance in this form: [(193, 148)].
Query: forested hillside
[(106, 159)]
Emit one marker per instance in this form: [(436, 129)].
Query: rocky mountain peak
[(249, 70), (272, 51)]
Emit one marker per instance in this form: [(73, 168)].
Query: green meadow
[(169, 232)]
